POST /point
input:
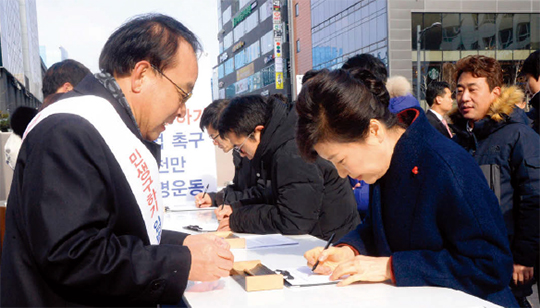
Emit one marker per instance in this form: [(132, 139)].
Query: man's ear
[(496, 91), (139, 74), (259, 128), (438, 100), (66, 87)]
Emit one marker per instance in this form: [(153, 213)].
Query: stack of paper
[(269, 240)]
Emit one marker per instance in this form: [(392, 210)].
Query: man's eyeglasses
[(186, 95), (239, 148), (214, 137)]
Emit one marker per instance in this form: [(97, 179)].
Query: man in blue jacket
[(489, 126)]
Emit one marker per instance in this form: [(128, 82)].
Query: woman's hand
[(363, 268), (329, 259)]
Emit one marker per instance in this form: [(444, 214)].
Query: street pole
[(418, 70)]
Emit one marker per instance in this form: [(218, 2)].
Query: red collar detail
[(408, 116)]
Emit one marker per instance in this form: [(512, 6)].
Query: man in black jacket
[(488, 125), (531, 72), (244, 176), (301, 198), (84, 214)]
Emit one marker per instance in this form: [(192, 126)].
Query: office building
[(20, 64), (253, 48), (450, 30)]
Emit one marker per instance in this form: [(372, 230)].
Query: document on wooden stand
[(268, 240), (303, 277)]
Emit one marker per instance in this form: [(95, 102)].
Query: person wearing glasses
[(84, 215), (299, 197), (244, 177)]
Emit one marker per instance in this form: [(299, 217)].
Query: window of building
[(267, 42), (297, 46), (266, 10), (227, 40), (296, 10), (229, 66), (221, 71), (227, 15)]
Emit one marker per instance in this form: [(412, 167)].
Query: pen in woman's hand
[(325, 247)]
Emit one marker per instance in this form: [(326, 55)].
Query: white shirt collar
[(440, 117)]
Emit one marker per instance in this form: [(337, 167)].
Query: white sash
[(137, 163)]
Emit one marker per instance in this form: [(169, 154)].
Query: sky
[(83, 26)]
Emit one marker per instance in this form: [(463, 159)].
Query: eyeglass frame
[(214, 138), (187, 95), (239, 148)]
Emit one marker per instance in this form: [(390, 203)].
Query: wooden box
[(254, 276), (232, 239)]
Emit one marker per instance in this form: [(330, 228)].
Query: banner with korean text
[(188, 161)]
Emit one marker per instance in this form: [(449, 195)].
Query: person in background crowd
[(399, 89), (63, 76), (243, 179), (439, 99), (415, 234), (531, 72), (302, 198), (20, 119), (488, 124), (84, 215), (360, 188)]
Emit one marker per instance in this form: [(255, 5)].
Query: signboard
[(238, 46), (279, 80), (277, 49), (278, 67), (245, 71), (241, 86), (278, 31), (268, 58), (188, 156), (224, 56), (188, 161), (276, 17), (243, 15)]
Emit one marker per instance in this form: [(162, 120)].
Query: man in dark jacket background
[(488, 125), (531, 72), (302, 198), (244, 176)]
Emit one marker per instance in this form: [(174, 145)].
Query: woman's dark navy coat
[(435, 215)]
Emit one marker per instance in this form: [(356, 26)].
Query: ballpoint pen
[(204, 194), (325, 247), (205, 189)]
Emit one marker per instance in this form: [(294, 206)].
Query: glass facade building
[(507, 37), (246, 46), (342, 29)]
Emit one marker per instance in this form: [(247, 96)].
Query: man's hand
[(363, 268), (329, 259), (211, 257), (522, 274), (223, 213), (203, 202)]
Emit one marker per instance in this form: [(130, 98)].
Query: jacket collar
[(278, 130), (91, 86)]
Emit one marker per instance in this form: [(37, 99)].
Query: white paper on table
[(304, 277), (268, 240)]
